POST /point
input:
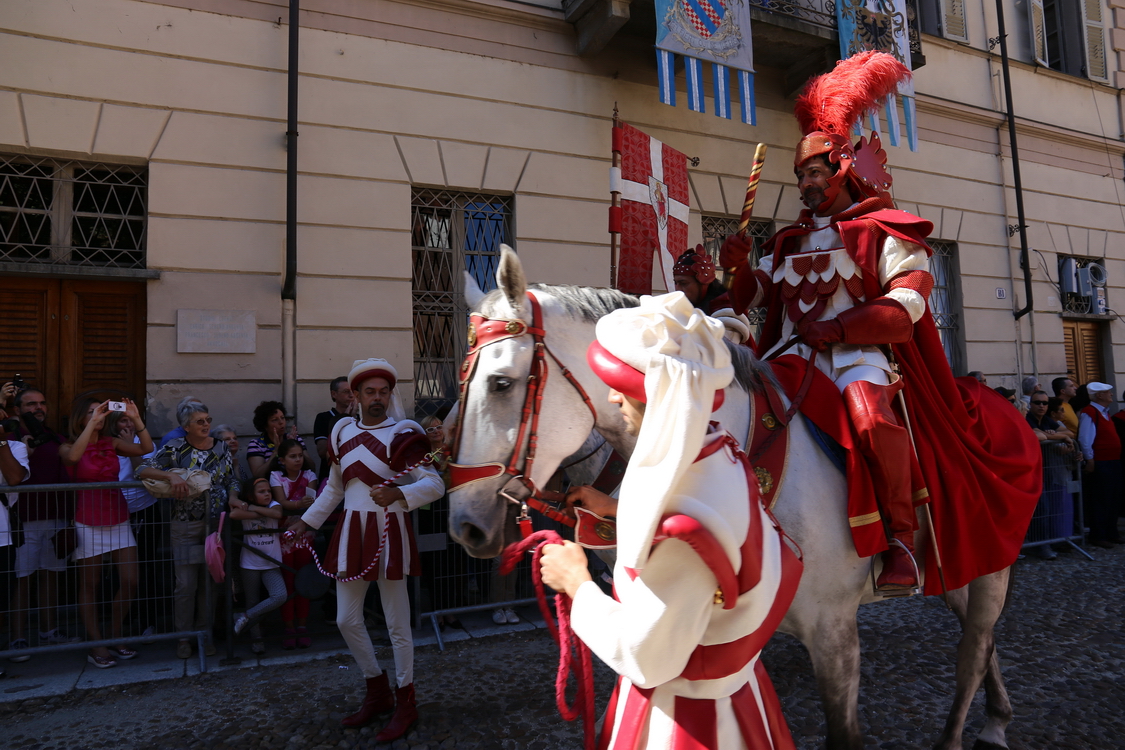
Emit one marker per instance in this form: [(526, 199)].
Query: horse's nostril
[(472, 534)]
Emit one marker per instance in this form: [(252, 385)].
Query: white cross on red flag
[(652, 184)]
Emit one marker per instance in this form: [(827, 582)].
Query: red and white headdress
[(830, 106), (365, 369), (677, 357)]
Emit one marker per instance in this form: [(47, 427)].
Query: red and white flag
[(652, 184)]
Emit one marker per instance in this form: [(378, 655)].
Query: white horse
[(811, 504)]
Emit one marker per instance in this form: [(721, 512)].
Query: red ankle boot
[(406, 713), (377, 701)]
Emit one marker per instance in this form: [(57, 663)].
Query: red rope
[(562, 634)]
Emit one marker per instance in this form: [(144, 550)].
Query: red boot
[(377, 701), (885, 445), (406, 713)]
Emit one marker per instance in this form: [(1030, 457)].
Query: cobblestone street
[(1061, 643)]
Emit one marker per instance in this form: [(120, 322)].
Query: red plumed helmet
[(832, 103)]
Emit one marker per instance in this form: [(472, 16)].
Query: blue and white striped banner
[(693, 72), (715, 31), (881, 25)]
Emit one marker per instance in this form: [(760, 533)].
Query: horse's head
[(499, 423)]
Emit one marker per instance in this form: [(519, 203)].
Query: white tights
[(396, 609)]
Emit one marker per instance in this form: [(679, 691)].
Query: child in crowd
[(293, 483), (257, 511)]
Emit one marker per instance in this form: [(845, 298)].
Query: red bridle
[(519, 489)]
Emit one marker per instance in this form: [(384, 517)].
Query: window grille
[(66, 213), (944, 302), (451, 232), (715, 230)]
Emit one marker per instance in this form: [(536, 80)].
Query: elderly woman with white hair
[(192, 514)]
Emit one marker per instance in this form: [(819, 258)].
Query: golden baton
[(748, 204)]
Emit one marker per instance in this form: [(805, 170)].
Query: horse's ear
[(510, 278), (473, 293)]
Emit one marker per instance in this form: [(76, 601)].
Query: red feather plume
[(834, 102)]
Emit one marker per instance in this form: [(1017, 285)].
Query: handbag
[(214, 553), (198, 482), (65, 541)]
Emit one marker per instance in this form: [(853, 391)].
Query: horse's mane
[(592, 303)]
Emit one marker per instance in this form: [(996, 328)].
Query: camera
[(31, 427), (17, 381), (116, 405)]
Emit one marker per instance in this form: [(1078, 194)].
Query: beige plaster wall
[(489, 96)]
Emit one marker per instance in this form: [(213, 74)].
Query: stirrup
[(895, 593)]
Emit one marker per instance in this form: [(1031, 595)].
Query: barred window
[(718, 228), (945, 305), (451, 232), (67, 213)]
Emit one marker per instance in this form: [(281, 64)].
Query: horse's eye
[(499, 385)]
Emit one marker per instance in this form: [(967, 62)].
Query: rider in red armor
[(849, 278)]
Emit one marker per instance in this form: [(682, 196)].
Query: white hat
[(685, 361), (365, 369), (362, 369), (1096, 387)]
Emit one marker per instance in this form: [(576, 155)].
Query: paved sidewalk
[(58, 673)]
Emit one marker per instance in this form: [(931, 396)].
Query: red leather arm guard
[(880, 321), (408, 448)]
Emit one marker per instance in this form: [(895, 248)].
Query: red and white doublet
[(816, 278), (690, 671), (364, 457)]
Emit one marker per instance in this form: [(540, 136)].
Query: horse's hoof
[(986, 745)]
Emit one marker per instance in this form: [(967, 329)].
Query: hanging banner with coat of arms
[(649, 187), (881, 25), (714, 31)]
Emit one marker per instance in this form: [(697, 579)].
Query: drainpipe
[(289, 285), (1022, 225)]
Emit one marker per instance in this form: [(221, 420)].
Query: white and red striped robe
[(689, 665), (363, 457)]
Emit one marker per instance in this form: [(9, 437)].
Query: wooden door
[(74, 338), (1082, 341)]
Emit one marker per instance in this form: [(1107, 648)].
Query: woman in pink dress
[(101, 519)]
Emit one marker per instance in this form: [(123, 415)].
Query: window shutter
[(24, 325), (1095, 41), (1091, 361), (1038, 27), (1070, 345), (953, 20), (103, 339)]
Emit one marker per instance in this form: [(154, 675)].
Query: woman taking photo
[(191, 514), (101, 518)]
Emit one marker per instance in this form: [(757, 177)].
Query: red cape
[(982, 467)]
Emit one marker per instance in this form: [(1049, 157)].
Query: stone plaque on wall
[(216, 331)]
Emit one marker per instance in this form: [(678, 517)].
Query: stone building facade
[(143, 194)]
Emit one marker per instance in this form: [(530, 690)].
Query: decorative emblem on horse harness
[(770, 422), (514, 327), (765, 479), (605, 531), (472, 335)]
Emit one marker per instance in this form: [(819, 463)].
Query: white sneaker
[(21, 645), (149, 636), (241, 623), (55, 637), (499, 616), (510, 613)]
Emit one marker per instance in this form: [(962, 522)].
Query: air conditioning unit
[(1089, 277), (1068, 277)]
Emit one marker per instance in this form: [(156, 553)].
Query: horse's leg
[(978, 607), (834, 651)]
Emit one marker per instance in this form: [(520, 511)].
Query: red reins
[(519, 489)]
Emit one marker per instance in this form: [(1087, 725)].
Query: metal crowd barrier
[(42, 589), (1058, 517), (453, 583)]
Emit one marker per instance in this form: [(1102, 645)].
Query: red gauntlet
[(881, 321), (735, 250)]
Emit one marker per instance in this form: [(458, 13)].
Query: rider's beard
[(377, 412), (814, 197)]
